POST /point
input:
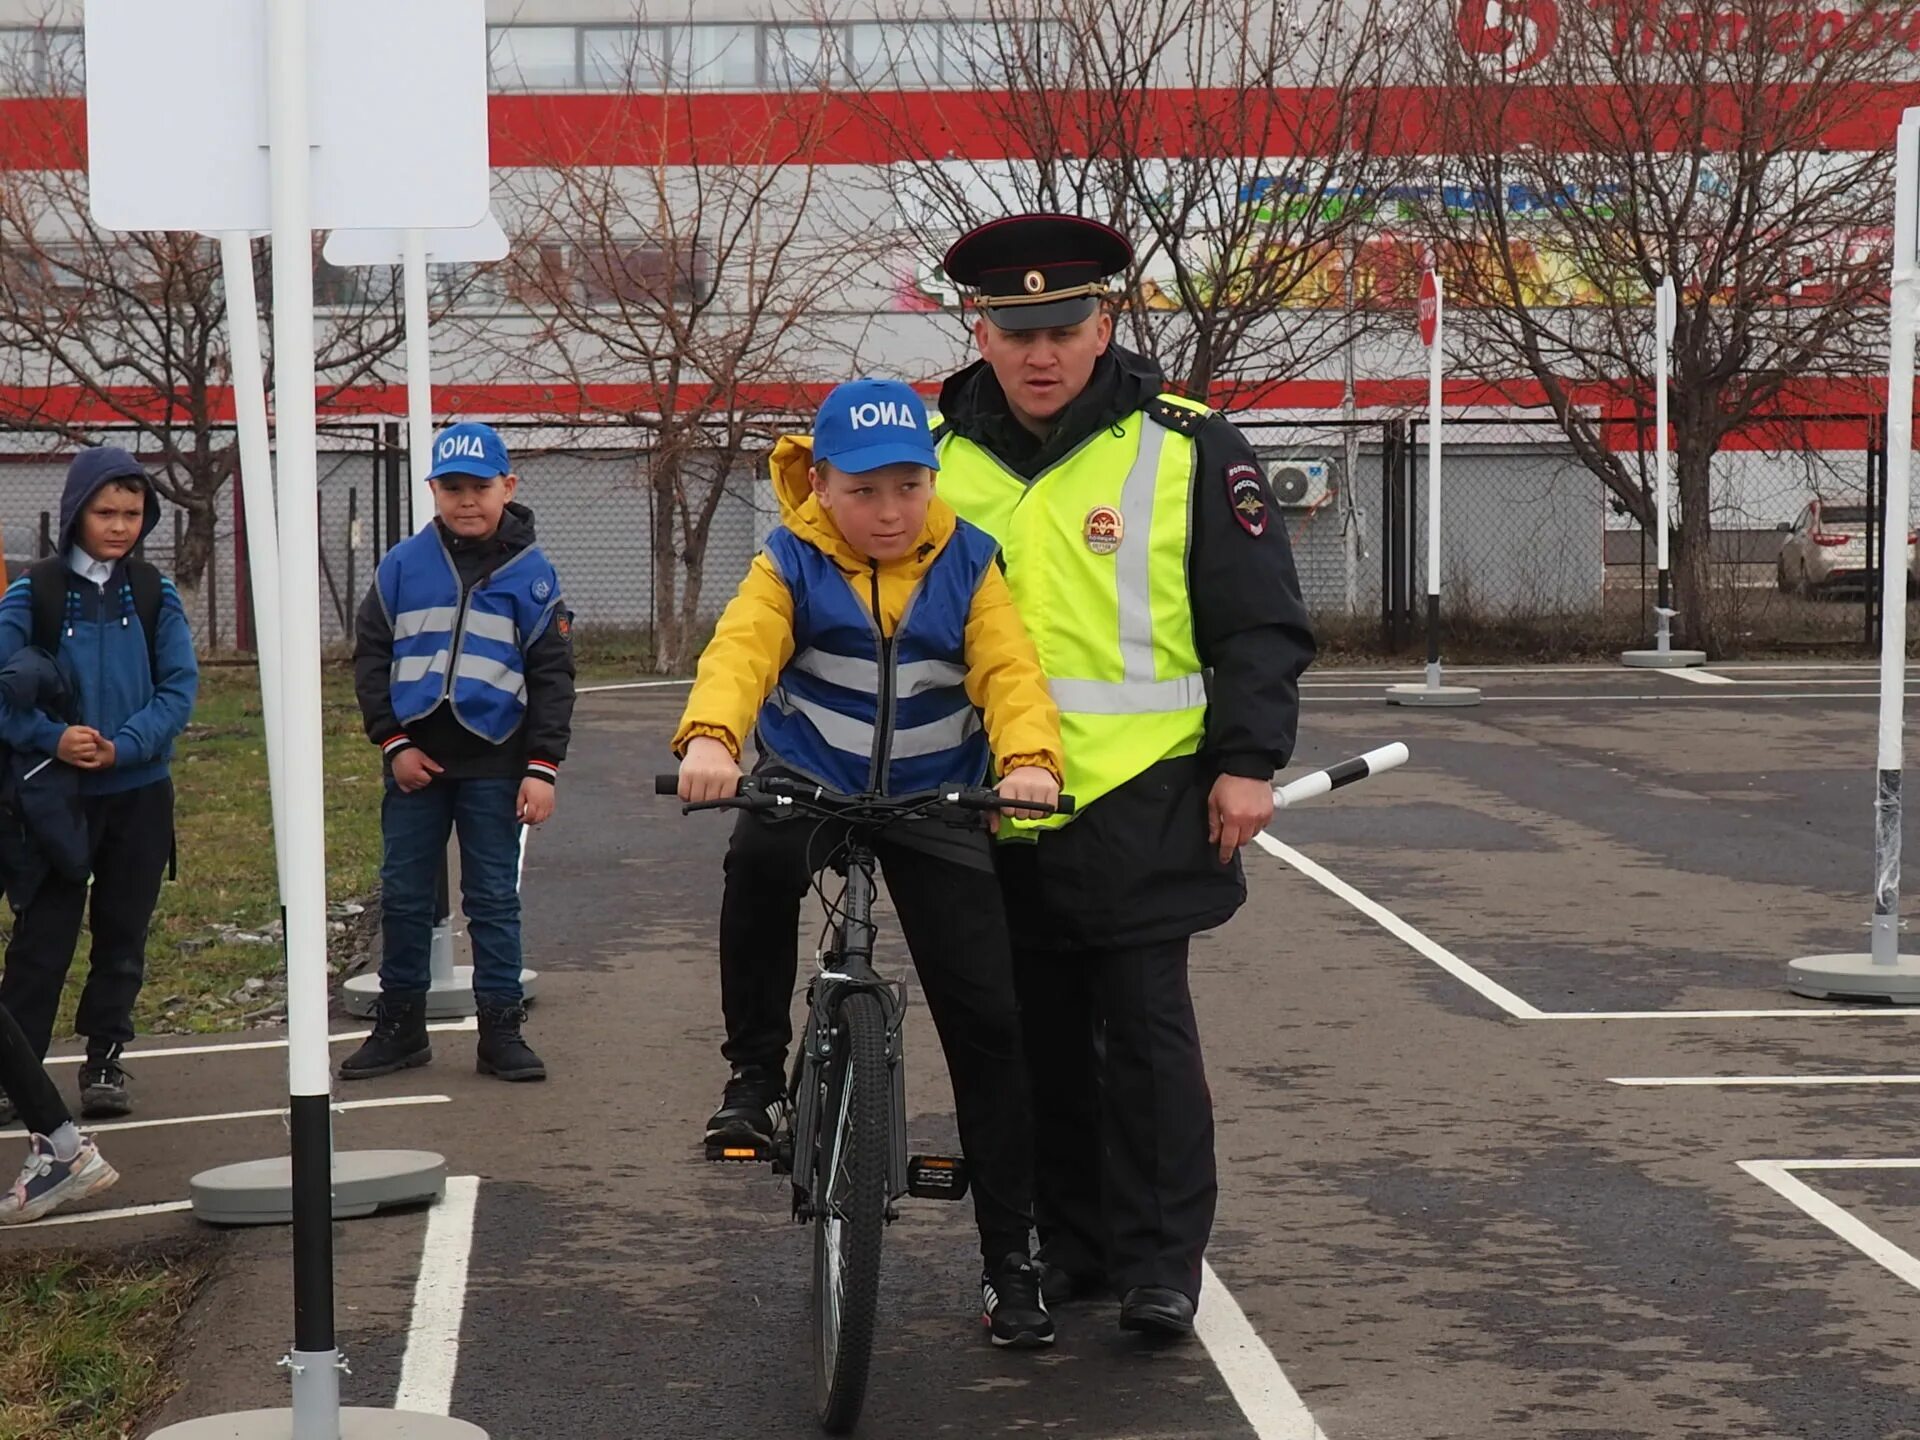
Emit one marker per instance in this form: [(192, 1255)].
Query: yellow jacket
[(754, 639)]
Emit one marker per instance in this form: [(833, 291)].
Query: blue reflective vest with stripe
[(469, 650), (859, 712)]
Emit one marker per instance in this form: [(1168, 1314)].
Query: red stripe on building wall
[(1814, 414), (712, 127)]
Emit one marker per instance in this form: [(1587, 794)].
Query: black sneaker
[(398, 1042), (1011, 1307), (103, 1086), (751, 1113), (503, 1050)]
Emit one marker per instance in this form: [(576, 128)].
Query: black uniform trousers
[(956, 930), (25, 1081), (131, 835), (1124, 1178)]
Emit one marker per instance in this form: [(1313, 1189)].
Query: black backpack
[(49, 581)]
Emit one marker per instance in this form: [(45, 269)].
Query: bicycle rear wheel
[(850, 1197)]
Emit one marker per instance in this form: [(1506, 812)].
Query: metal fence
[(1535, 549)]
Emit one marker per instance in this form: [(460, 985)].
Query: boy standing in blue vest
[(861, 651), (463, 666)]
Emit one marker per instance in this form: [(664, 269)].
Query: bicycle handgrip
[(1064, 805), (666, 784)]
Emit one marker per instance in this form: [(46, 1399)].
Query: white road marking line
[(132, 1212), (1804, 1012), (1700, 677), (439, 1301), (388, 1103), (1259, 1386), (161, 1052), (1496, 992), (1395, 926), (1742, 1080), (1645, 697), (630, 685), (1868, 1241)]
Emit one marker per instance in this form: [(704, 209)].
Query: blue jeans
[(414, 829)]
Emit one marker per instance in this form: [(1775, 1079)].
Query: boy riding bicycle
[(860, 652)]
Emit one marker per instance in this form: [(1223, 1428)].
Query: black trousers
[(26, 1082), (131, 835), (957, 932), (1124, 1179)]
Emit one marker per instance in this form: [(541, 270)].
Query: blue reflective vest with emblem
[(858, 712), (467, 650)]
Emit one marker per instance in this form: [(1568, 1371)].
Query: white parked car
[(1824, 552)]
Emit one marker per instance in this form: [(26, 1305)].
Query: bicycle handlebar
[(769, 792)]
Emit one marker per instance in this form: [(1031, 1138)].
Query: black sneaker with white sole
[(103, 1086), (752, 1111), (1011, 1306)]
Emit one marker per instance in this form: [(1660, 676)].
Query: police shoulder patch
[(563, 622), (1247, 498)]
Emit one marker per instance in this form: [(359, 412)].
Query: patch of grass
[(87, 1341), (224, 826)]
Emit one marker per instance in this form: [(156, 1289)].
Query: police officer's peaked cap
[(1032, 272)]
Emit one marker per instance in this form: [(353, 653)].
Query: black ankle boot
[(503, 1050), (398, 1042)]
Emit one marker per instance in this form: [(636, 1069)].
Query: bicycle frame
[(846, 966)]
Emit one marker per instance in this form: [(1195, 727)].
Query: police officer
[(1143, 549)]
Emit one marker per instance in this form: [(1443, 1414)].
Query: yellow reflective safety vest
[(1096, 556)]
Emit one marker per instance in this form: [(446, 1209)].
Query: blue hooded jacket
[(140, 707)]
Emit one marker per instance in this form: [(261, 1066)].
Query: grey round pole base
[(449, 999), (1663, 659), (260, 1192), (355, 1424), (1856, 977), (1433, 696)]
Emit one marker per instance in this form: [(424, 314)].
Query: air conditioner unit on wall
[(1299, 484)]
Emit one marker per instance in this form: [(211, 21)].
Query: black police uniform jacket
[(1137, 868)]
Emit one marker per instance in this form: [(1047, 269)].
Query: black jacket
[(1136, 867), (543, 733), (43, 822)]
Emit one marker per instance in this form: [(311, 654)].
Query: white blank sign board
[(399, 123), (475, 245)]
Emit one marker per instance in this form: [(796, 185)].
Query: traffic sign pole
[(1431, 311), (1884, 973), (1663, 656)]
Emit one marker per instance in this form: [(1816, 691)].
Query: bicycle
[(845, 1150)]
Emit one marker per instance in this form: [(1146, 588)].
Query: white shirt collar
[(88, 568)]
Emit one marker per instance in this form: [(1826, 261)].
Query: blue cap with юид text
[(865, 424), (469, 448)]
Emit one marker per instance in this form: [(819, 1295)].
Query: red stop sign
[(1429, 307)]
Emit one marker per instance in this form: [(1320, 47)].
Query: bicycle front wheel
[(850, 1198)]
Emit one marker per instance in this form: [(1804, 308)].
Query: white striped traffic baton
[(1335, 777)]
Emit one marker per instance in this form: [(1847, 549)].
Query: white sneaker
[(47, 1182)]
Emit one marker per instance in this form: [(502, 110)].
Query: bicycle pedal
[(936, 1177), (736, 1151)]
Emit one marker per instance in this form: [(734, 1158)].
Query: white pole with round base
[(1663, 656), (1883, 973), (1433, 694)]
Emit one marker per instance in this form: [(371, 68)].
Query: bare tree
[(132, 327), (1239, 143), (1596, 145), (688, 299)]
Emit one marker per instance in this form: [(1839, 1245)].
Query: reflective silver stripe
[(409, 668), (434, 617), (948, 733), (1129, 697), (850, 673), (494, 673), (1133, 570), (493, 627), (854, 737)]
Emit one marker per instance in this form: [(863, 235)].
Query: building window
[(39, 61), (534, 57), (804, 57), (624, 57), (715, 57)]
